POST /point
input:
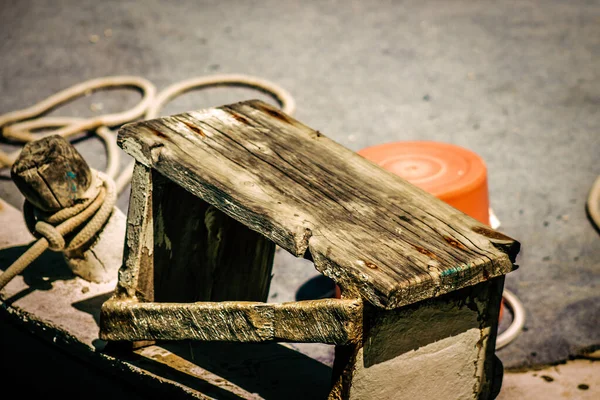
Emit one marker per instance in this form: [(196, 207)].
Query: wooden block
[(441, 348), (51, 174)]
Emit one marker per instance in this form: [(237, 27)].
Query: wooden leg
[(136, 276), (134, 281), (438, 348)]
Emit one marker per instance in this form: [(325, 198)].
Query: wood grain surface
[(330, 321), (51, 173), (375, 234)]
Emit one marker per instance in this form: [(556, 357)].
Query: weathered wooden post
[(53, 176), (214, 190)]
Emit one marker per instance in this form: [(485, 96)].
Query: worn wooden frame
[(215, 190)]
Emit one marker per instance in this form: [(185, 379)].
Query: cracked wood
[(375, 234), (51, 173)]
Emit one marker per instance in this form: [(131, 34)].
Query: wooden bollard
[(52, 175)]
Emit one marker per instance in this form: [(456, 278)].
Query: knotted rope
[(90, 216)]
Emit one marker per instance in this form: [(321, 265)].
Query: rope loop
[(17, 125), (56, 242), (54, 227)]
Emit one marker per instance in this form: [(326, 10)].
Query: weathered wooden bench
[(214, 191)]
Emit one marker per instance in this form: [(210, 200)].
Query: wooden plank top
[(375, 234)]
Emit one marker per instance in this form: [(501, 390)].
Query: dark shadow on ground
[(39, 275), (272, 370), (319, 287), (92, 305)]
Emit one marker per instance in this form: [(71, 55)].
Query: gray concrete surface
[(576, 379), (516, 82)]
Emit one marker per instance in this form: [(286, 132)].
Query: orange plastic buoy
[(451, 173)]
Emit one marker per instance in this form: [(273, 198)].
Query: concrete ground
[(577, 379), (516, 82)]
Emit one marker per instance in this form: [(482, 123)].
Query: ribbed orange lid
[(452, 173)]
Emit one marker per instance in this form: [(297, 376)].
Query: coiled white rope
[(78, 90), (18, 126), (516, 326), (593, 203)]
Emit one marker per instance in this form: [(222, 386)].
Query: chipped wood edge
[(139, 239)]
